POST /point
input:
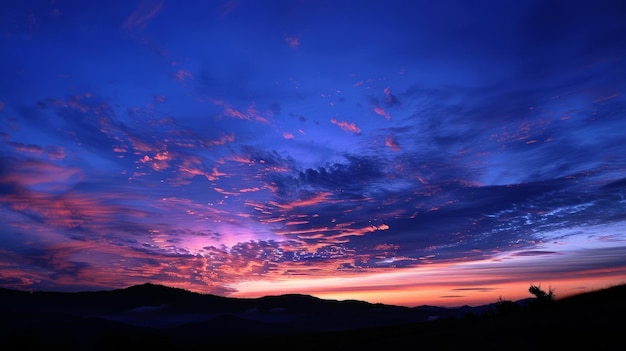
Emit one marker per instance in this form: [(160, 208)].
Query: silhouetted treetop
[(541, 296)]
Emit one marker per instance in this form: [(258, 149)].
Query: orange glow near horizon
[(449, 285)]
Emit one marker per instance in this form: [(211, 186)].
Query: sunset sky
[(403, 152)]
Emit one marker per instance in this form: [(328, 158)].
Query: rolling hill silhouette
[(161, 317)]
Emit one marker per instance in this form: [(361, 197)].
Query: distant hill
[(172, 318)]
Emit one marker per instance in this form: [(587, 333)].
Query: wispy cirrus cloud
[(140, 18)]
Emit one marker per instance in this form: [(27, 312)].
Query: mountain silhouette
[(173, 318)]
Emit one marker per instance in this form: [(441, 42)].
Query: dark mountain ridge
[(149, 296), (177, 317)]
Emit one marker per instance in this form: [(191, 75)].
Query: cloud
[(140, 18), (183, 74), (228, 7), (391, 99), (37, 175), (381, 112), (292, 41), (251, 114), (480, 289), (391, 143), (350, 127)]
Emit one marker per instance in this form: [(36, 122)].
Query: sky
[(402, 152)]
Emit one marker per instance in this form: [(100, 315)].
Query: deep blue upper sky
[(257, 147)]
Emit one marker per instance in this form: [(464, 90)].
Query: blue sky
[(403, 152)]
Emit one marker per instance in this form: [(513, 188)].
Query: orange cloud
[(348, 127), (317, 199)]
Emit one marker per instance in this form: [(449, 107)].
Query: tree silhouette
[(541, 297)]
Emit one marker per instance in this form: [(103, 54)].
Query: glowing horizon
[(401, 152)]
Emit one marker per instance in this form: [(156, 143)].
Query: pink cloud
[(386, 247), (600, 99), (143, 14), (346, 126), (225, 138), (190, 168), (381, 112), (115, 266), (390, 98), (322, 197), (241, 159), (296, 222), (39, 174), (224, 192), (55, 152), (70, 210), (251, 113), (254, 114), (52, 152), (228, 7), (293, 41), (26, 148), (159, 162), (248, 190), (215, 174), (287, 135), (231, 112), (139, 146), (182, 74), (387, 91), (525, 131), (391, 143)]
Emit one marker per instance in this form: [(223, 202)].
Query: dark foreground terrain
[(154, 317)]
